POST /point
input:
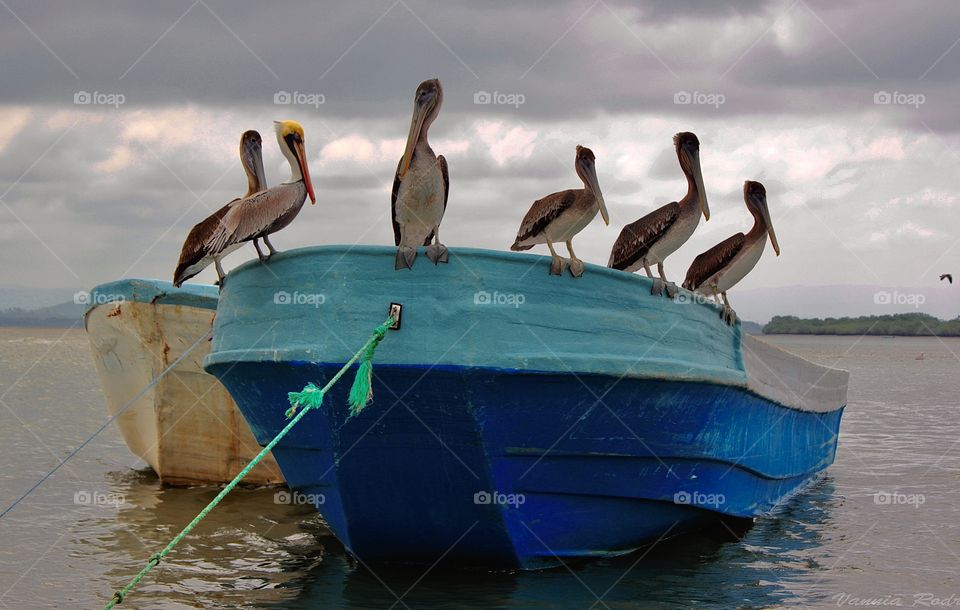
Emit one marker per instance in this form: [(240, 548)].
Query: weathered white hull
[(186, 427)]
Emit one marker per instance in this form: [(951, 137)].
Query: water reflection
[(898, 435), (241, 555)]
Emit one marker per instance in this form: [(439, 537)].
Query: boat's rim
[(481, 253), (150, 292), (829, 381)]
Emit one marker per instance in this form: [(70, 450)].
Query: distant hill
[(63, 315), (936, 298), (904, 324), (21, 297)]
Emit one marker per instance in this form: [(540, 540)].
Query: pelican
[(722, 266), (421, 185), (268, 211), (193, 256), (560, 216), (660, 233)]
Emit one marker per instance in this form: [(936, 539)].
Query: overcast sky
[(784, 92)]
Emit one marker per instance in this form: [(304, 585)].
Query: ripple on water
[(899, 435)]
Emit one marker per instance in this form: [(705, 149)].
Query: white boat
[(186, 426)]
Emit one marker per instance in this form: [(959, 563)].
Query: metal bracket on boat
[(395, 312)]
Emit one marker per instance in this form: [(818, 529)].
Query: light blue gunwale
[(485, 309), (160, 292)]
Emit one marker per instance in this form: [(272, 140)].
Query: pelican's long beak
[(304, 170), (420, 112), (698, 181), (258, 169), (770, 231), (595, 187)]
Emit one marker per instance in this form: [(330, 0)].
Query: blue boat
[(519, 420)]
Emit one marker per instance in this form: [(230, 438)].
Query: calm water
[(834, 543)]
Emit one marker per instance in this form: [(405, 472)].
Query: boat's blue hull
[(506, 465), (573, 476)]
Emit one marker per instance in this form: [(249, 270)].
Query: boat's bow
[(148, 340), (517, 419)]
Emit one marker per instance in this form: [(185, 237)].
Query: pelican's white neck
[(285, 148)]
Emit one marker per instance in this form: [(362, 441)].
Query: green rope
[(310, 398)]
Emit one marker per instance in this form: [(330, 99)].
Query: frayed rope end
[(311, 398), (361, 393)]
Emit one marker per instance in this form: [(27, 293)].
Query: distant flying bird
[(421, 185), (947, 276), (560, 216), (268, 211), (193, 256), (660, 233), (722, 266)]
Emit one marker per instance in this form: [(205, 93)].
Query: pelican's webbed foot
[(576, 267), (657, 288), (671, 288), (405, 257), (728, 315), (557, 265), (438, 253)]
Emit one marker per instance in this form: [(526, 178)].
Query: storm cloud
[(846, 111)]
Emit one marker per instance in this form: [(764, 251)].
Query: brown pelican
[(560, 216), (193, 256), (660, 233), (421, 185), (722, 266), (268, 211)]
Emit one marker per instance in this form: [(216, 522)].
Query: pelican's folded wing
[(195, 246), (542, 213), (636, 238), (253, 216), (393, 204), (713, 260)]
